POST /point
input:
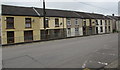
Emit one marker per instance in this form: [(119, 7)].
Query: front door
[(28, 36), (10, 37), (84, 30), (96, 30)]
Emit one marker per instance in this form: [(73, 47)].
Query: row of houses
[(25, 24)]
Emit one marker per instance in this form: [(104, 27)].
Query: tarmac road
[(67, 53)]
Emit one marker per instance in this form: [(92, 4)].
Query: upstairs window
[(84, 23), (96, 22), (109, 22), (100, 22), (28, 23), (56, 22), (68, 22), (9, 22), (76, 21)]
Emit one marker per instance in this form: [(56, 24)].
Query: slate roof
[(59, 13), (17, 11), (28, 11), (118, 17), (112, 17)]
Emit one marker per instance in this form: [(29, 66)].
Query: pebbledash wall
[(61, 24)]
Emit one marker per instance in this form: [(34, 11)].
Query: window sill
[(28, 27), (10, 28), (56, 26)]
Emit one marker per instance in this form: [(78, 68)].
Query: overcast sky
[(106, 7)]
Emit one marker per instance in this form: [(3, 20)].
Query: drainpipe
[(63, 29)]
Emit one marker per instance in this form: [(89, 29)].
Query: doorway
[(28, 36), (96, 30), (10, 37)]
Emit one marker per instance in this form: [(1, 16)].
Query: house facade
[(74, 27), (118, 24), (26, 25)]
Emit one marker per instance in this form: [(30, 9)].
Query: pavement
[(114, 64), (91, 52)]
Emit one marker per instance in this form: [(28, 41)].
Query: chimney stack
[(113, 14)]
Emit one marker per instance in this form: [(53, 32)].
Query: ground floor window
[(76, 29), (10, 37), (28, 36), (57, 33), (105, 29), (101, 29)]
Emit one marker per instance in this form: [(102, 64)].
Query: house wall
[(103, 25), (37, 26), (19, 28), (80, 31), (62, 23), (118, 25), (99, 26), (109, 24), (73, 25)]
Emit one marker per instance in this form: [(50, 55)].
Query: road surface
[(91, 51)]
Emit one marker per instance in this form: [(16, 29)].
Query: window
[(10, 22), (46, 22), (100, 22), (105, 22), (101, 29), (84, 23), (28, 23), (109, 22), (56, 33), (76, 29), (96, 22), (76, 21), (68, 22), (56, 22)]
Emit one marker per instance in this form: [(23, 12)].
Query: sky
[(106, 7)]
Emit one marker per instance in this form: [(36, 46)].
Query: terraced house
[(25, 24), (118, 24), (90, 22), (74, 24)]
